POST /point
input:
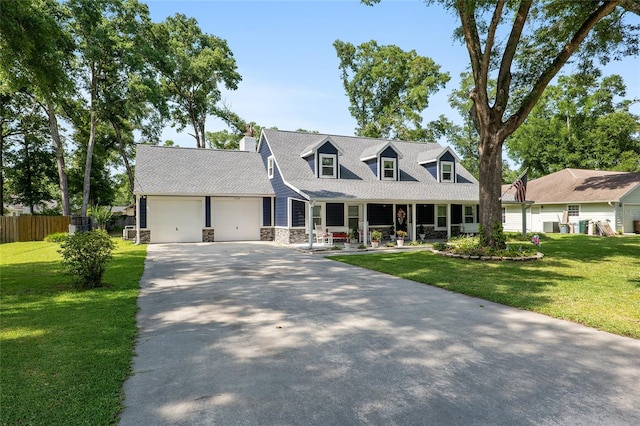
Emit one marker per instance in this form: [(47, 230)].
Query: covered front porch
[(344, 219)]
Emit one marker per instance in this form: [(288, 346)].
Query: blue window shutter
[(207, 212), (143, 212), (266, 211)]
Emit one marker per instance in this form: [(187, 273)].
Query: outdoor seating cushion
[(339, 236)]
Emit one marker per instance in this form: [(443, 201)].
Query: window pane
[(442, 222), (353, 211), (353, 223), (442, 210)]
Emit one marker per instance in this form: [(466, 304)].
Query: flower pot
[(421, 236), (375, 244), (347, 246), (400, 243)]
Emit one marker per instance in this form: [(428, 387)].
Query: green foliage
[(65, 353), (192, 65), (362, 246), (401, 234), (440, 246), (101, 215), (388, 88), (58, 237), (581, 123), (85, 256), (376, 235)]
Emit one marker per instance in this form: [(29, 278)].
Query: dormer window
[(446, 171), (389, 169), (270, 167), (328, 166)]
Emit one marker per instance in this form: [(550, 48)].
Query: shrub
[(362, 246), (85, 256), (101, 215), (57, 237), (440, 246)]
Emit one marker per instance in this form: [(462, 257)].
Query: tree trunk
[(87, 167), (490, 180), (59, 148), (125, 160), (1, 173)]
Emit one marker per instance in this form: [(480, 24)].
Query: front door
[(402, 217)]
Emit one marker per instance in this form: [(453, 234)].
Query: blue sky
[(284, 52)]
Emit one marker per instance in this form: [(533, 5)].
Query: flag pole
[(511, 186)]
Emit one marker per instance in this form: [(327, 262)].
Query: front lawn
[(590, 280), (64, 353)]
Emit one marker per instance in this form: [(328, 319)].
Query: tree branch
[(472, 40), (550, 72), (504, 75), (495, 20)]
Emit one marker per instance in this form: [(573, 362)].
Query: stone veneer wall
[(208, 235), (267, 234), (145, 236), (291, 236)]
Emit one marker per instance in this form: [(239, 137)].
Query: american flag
[(521, 188)]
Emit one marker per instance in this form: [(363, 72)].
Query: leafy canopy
[(388, 88)]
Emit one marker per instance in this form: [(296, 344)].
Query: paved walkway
[(254, 334)]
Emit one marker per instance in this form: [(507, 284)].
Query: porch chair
[(322, 236)]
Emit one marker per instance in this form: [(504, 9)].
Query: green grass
[(589, 280), (64, 353)]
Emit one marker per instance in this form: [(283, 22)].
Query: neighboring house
[(587, 195), (293, 183)]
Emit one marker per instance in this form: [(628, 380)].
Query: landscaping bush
[(101, 215), (58, 237), (85, 256), (440, 246)]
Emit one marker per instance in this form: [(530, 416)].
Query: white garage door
[(175, 220), (236, 219)]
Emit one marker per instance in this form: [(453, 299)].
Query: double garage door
[(181, 219)]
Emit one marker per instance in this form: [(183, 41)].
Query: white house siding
[(630, 211), (537, 215), (513, 218)]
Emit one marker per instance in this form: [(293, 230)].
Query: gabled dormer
[(323, 158), (441, 164), (383, 160)]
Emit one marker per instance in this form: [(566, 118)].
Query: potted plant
[(421, 232), (392, 232), (375, 238), (355, 236), (400, 235)]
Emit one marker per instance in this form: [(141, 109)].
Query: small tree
[(85, 256), (102, 215)]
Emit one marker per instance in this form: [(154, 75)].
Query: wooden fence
[(31, 228)]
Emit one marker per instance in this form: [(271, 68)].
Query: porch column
[(524, 219), (448, 220), (414, 221), (310, 223), (365, 231), (137, 219)]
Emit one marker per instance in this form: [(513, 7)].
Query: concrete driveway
[(255, 334)]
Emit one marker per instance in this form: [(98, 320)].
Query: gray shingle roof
[(189, 171), (357, 180), (579, 185)]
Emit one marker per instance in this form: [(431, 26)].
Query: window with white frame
[(446, 171), (504, 215), (328, 166), (317, 215), (469, 214), (353, 217), (441, 216), (389, 168), (270, 167), (573, 210)]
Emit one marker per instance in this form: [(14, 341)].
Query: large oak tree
[(523, 45)]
